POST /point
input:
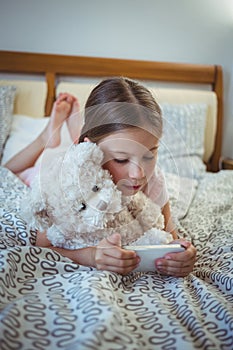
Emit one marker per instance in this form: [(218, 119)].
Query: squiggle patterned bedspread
[(48, 302)]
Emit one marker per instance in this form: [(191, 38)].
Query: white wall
[(195, 31)]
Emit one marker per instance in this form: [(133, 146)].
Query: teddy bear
[(77, 202)]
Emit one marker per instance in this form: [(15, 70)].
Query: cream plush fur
[(78, 204)]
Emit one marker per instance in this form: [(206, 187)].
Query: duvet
[(49, 302)]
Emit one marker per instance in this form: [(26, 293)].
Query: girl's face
[(130, 156)]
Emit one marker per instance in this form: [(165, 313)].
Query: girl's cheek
[(114, 170), (149, 172)]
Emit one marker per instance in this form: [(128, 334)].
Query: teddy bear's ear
[(86, 152)]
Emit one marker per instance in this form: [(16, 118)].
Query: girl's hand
[(178, 264), (111, 257)]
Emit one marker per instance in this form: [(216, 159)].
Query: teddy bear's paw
[(154, 236)]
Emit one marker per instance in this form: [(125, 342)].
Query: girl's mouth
[(133, 187), (136, 187), (129, 188)]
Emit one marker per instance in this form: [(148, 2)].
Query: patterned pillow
[(182, 145), (7, 96)]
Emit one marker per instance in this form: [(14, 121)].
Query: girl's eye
[(149, 157), (121, 161)]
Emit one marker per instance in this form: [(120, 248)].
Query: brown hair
[(119, 103)]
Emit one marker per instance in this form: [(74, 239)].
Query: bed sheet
[(49, 302)]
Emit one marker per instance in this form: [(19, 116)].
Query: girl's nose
[(136, 171)]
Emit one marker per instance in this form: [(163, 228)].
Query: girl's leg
[(75, 121), (50, 136)]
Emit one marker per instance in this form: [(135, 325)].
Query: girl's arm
[(169, 225), (107, 255), (176, 264), (84, 256)]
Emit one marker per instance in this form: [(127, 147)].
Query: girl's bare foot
[(75, 121), (51, 136)]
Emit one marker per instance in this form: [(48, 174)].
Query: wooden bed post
[(217, 85), (51, 81)]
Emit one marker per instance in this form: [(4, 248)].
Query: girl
[(123, 118)]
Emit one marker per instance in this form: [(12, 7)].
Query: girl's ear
[(86, 139)]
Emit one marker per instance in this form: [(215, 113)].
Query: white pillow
[(181, 193), (182, 145), (7, 97)]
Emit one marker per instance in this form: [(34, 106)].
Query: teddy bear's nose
[(102, 205)]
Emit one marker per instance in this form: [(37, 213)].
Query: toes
[(64, 96)]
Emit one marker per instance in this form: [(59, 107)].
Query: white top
[(156, 188)]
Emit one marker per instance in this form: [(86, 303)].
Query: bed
[(49, 302)]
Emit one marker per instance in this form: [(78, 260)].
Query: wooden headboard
[(53, 66)]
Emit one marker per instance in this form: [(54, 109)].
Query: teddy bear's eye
[(95, 188), (83, 206)]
